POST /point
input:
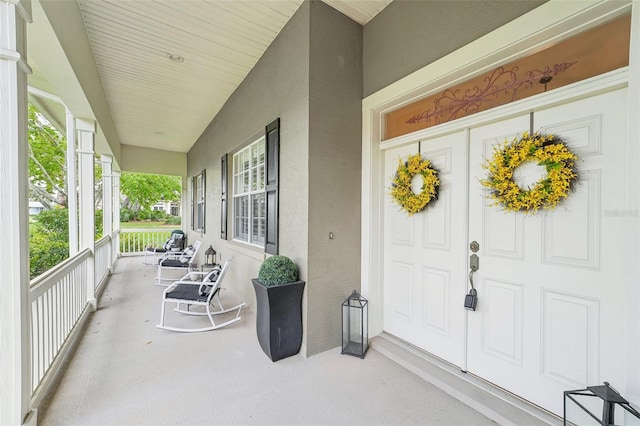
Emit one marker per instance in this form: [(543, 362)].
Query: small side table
[(207, 267)]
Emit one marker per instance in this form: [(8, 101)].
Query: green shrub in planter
[(279, 307), (278, 270)]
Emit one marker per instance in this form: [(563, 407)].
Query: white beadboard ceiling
[(158, 103)]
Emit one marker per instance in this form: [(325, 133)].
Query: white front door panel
[(551, 285), (424, 272)]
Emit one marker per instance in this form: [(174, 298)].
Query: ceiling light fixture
[(175, 58)]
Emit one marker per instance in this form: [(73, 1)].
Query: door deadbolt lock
[(474, 246), (474, 262)]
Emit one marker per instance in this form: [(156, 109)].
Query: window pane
[(254, 178), (237, 174), (257, 218), (260, 184), (259, 166), (245, 181), (246, 169), (200, 215), (241, 217), (254, 153)]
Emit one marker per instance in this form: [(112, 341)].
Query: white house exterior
[(35, 207)]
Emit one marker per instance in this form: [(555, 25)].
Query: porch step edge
[(494, 403)]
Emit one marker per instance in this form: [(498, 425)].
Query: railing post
[(86, 168), (115, 236), (15, 347), (107, 199)]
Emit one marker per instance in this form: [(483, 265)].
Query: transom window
[(249, 194), (575, 59)]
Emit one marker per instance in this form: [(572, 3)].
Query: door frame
[(516, 39)]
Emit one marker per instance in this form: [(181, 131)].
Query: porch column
[(184, 205), (86, 169), (115, 235), (107, 198), (72, 184), (15, 385)]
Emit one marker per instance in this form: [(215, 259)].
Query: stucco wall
[(335, 129), (408, 35), (276, 87), (310, 77)]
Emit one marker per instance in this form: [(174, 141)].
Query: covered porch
[(79, 344), (127, 371)]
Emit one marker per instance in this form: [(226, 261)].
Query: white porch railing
[(59, 304), (58, 300), (102, 261), (134, 241)]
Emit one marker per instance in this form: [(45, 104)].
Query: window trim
[(199, 198)]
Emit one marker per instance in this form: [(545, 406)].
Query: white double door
[(550, 286)]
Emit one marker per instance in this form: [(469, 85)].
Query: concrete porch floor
[(125, 371)]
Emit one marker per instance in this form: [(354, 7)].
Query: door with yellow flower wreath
[(550, 283), (425, 262)]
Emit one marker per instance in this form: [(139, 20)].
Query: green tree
[(144, 190), (49, 239), (47, 161), (49, 234)]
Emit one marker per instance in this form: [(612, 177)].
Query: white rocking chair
[(180, 261), (190, 292), (174, 245)]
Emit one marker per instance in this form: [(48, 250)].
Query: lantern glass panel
[(355, 339), (577, 415)]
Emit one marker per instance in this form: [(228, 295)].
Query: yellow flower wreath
[(401, 184), (547, 150)]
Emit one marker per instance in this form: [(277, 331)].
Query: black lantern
[(598, 405), (355, 336), (210, 257)]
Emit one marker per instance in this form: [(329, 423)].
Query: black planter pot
[(279, 318)]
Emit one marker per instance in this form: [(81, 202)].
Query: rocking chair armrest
[(171, 254), (187, 282), (189, 276), (175, 284)]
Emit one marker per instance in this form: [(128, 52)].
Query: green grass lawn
[(148, 225)]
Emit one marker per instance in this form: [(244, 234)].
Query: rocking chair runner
[(172, 262), (199, 293)]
